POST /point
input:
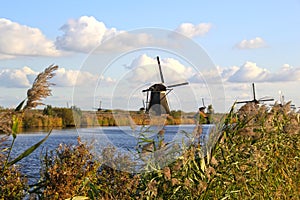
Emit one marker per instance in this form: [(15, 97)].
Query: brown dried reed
[(40, 88)]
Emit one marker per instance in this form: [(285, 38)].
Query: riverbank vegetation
[(57, 117), (254, 154)]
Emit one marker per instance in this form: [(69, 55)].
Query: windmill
[(283, 102), (254, 100), (99, 108), (156, 101)]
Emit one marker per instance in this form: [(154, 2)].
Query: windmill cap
[(202, 108)]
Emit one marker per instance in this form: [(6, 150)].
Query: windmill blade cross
[(266, 100), (146, 90), (178, 84), (245, 101), (253, 88), (160, 71), (203, 102)]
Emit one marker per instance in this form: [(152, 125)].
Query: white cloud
[(145, 69), (68, 78), (226, 73), (126, 41), (249, 72), (286, 73), (206, 77), (23, 78), (83, 34), (18, 78), (87, 33), (255, 43), (17, 39), (191, 30)]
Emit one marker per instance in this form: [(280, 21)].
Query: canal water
[(123, 138)]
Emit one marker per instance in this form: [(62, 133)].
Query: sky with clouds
[(101, 56)]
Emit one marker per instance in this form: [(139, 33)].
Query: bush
[(48, 110), (66, 114), (67, 171), (176, 114), (115, 180)]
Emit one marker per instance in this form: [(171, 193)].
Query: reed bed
[(255, 156)]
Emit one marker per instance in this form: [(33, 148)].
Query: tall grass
[(258, 157)]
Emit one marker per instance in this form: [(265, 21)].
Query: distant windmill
[(282, 101), (99, 108), (157, 103), (254, 100)]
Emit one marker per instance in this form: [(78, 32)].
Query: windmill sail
[(160, 71), (178, 84), (253, 89), (254, 100)]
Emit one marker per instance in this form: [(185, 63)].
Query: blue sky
[(255, 41)]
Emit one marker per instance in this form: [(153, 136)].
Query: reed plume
[(40, 88)]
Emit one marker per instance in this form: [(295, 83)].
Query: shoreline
[(46, 129)]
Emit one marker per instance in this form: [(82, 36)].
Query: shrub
[(66, 172), (115, 178)]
